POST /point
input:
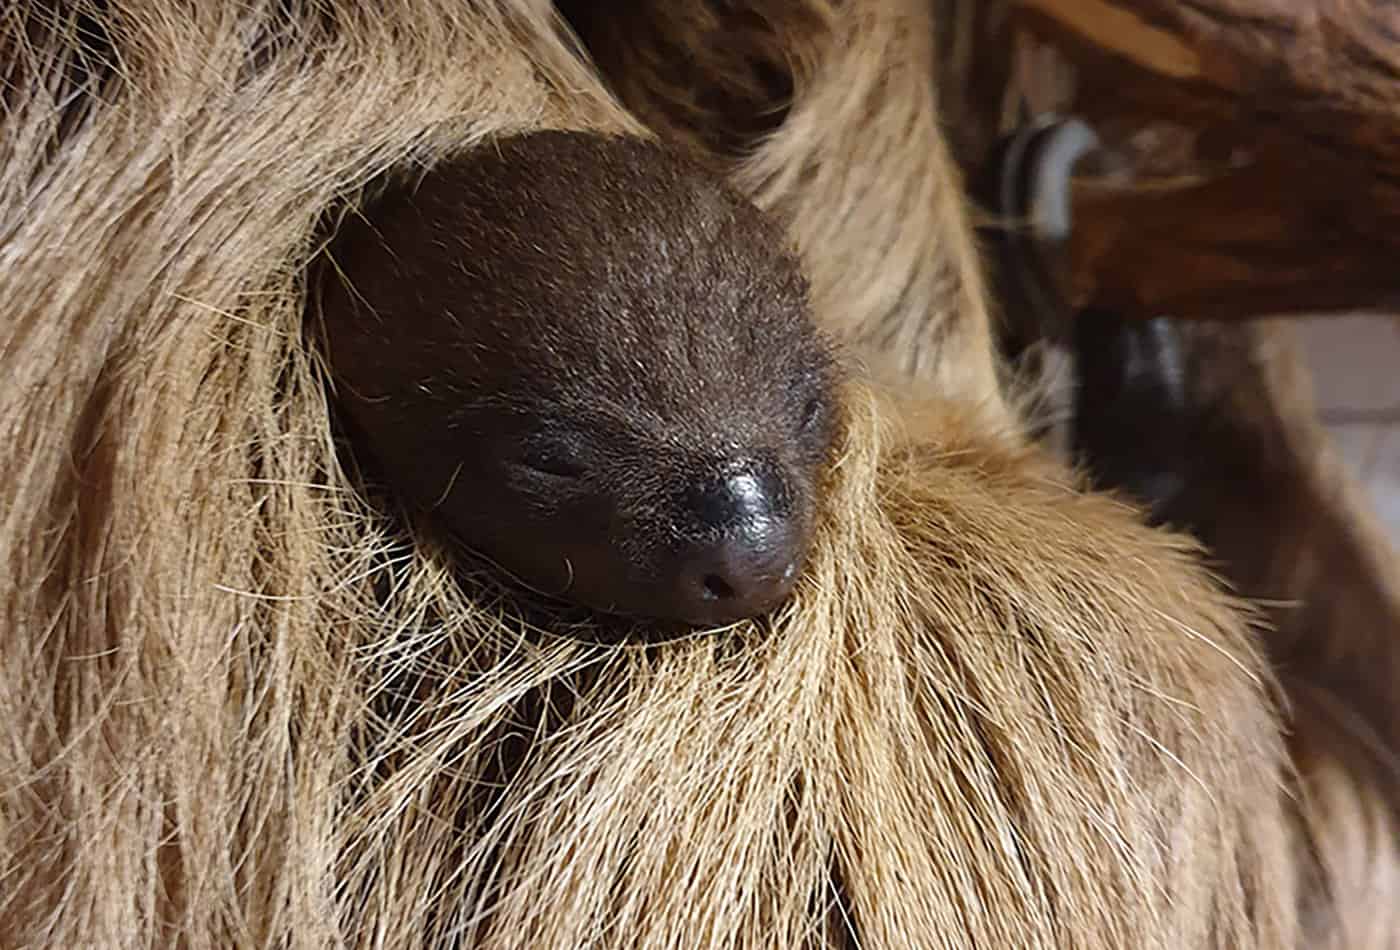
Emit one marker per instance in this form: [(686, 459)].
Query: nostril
[(741, 540), (717, 588)]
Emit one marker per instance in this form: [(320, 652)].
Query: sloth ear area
[(814, 413)]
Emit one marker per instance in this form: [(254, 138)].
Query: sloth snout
[(744, 549)]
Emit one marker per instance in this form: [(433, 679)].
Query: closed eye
[(551, 459), (813, 413)]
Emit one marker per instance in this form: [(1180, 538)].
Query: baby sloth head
[(595, 364)]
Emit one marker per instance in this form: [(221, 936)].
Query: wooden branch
[(1325, 71), (1245, 244), (1328, 68), (1112, 28), (1309, 88)]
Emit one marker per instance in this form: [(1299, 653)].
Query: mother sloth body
[(242, 709)]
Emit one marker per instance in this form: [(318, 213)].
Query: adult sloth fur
[(240, 710)]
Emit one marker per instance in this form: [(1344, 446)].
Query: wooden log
[(1307, 91), (1251, 242)]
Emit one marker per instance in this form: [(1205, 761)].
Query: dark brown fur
[(596, 365)]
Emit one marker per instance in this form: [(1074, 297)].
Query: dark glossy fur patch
[(594, 363)]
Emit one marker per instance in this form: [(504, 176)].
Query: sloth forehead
[(608, 274), (725, 339), (749, 392)]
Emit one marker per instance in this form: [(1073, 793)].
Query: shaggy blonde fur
[(1286, 522), (240, 710), (1280, 513)]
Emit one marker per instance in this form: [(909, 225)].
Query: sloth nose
[(745, 553)]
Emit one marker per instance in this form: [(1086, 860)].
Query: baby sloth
[(594, 363)]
